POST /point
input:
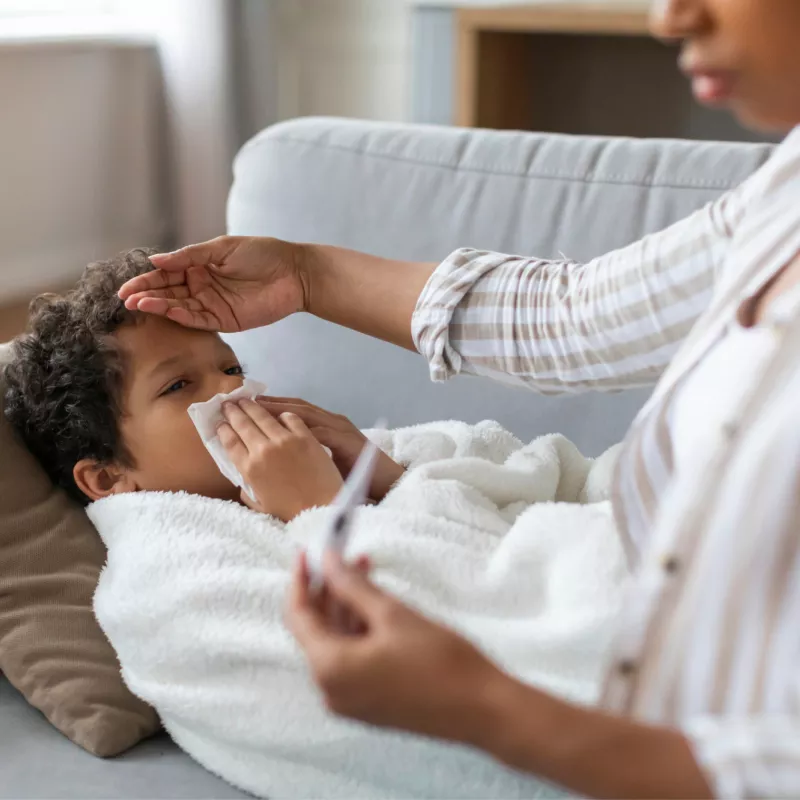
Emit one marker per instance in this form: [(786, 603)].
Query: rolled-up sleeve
[(748, 756), (561, 326)]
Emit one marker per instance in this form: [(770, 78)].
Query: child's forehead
[(156, 338)]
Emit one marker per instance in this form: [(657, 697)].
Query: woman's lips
[(712, 86)]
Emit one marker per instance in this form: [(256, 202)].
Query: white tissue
[(207, 417)]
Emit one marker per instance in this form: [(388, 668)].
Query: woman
[(703, 697)]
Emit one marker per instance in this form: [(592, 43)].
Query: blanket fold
[(512, 545)]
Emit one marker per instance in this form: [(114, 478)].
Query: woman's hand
[(280, 459), (379, 662), (386, 665), (234, 283), (231, 283), (344, 440)]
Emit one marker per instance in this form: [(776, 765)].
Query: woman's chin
[(764, 121)]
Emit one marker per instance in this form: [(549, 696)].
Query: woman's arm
[(372, 295), (585, 750), (553, 325), (612, 323)]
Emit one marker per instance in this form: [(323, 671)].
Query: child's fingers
[(233, 444), (342, 445), (250, 432), (271, 428), (310, 415), (249, 502), (295, 425)]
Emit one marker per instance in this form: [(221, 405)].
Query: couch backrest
[(417, 193)]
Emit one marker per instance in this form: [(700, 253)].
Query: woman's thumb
[(350, 586)]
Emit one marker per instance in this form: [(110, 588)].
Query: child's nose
[(229, 383), (220, 384)]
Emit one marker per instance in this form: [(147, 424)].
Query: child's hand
[(280, 458), (343, 438)]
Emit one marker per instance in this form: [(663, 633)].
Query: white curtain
[(195, 39)]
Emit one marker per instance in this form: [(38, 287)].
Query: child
[(100, 395)]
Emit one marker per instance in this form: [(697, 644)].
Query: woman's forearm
[(371, 295), (587, 751)]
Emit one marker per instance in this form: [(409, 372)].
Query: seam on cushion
[(590, 178)]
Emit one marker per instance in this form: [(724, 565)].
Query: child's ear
[(97, 481)]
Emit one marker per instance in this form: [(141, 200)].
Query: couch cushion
[(51, 647)]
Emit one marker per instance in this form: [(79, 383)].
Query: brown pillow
[(51, 647)]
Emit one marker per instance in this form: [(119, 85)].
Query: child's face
[(168, 368)]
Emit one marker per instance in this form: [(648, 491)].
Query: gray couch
[(412, 193)]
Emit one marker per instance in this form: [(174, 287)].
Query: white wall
[(344, 58)]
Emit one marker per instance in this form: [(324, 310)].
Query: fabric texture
[(709, 633), (51, 647), (192, 599)]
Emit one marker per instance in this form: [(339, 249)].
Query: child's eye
[(175, 387), (237, 370)]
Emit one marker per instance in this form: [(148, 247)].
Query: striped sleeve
[(560, 326)]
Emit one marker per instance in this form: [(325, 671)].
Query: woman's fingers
[(205, 254), (351, 587), (202, 320), (303, 616), (178, 292), (310, 616), (188, 312), (151, 281)]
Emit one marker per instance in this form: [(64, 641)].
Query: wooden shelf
[(492, 53), (590, 18)]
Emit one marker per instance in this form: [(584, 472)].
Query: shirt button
[(671, 564), (730, 430), (626, 668)]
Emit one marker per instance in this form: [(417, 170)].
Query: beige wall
[(344, 57), (79, 172)]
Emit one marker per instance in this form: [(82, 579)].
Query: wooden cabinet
[(561, 67)]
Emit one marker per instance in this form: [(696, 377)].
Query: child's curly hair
[(64, 382)]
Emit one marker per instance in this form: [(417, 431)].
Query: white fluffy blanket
[(193, 592)]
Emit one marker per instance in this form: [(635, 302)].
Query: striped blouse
[(710, 642)]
